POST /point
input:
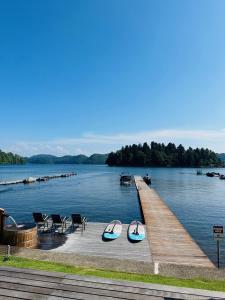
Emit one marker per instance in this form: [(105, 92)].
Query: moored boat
[(216, 174), (212, 174), (147, 179), (126, 179), (209, 174)]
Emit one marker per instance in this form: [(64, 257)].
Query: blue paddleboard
[(112, 230), (136, 231)]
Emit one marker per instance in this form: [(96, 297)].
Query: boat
[(126, 179), (210, 174), (213, 174), (222, 177), (147, 179), (112, 230), (216, 174), (136, 231)]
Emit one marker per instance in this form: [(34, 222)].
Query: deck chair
[(40, 220), (58, 221), (78, 220)]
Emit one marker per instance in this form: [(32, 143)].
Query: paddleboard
[(112, 230), (136, 231)]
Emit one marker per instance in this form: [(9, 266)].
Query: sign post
[(218, 236)]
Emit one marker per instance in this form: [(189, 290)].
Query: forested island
[(10, 159), (161, 155)]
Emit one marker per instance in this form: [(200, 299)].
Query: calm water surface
[(198, 201)]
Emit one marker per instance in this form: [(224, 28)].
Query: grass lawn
[(19, 262)]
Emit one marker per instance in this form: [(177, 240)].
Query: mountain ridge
[(221, 156), (67, 159)]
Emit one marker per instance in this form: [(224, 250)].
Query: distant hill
[(97, 159), (10, 159), (221, 156), (42, 158)]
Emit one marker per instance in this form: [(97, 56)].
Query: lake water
[(198, 201)]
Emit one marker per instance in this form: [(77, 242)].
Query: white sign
[(218, 232)]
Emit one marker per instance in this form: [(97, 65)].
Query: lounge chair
[(40, 220), (58, 221), (78, 220)]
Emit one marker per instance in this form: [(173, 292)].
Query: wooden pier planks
[(169, 241), (91, 243)]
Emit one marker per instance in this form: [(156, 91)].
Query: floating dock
[(39, 179), (168, 240)]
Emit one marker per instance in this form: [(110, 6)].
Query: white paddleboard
[(112, 230), (136, 231)]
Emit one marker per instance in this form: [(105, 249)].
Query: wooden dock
[(168, 240), (90, 243)]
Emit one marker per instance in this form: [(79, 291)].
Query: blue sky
[(91, 75)]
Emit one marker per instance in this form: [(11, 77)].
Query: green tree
[(158, 154)]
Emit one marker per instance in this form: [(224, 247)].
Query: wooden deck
[(169, 241), (90, 243), (39, 285)]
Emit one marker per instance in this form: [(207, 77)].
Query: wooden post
[(8, 250), (218, 253)]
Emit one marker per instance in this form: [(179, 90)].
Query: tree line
[(10, 158), (161, 155)]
